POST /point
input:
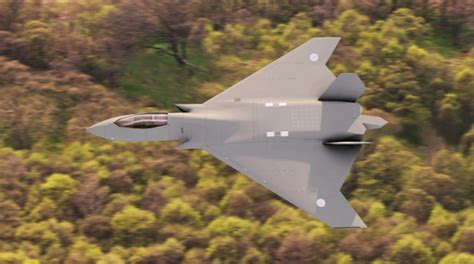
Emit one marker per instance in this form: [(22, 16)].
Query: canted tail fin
[(347, 87)]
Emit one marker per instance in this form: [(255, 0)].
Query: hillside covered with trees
[(69, 197)]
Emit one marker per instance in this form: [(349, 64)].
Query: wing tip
[(328, 38), (332, 42), (336, 212), (356, 223), (326, 46)]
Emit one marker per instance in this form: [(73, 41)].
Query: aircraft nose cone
[(100, 129), (97, 130)]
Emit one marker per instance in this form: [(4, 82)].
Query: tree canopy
[(69, 197)]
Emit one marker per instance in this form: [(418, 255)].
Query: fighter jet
[(292, 126)]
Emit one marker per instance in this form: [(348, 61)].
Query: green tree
[(9, 219), (38, 41), (340, 258), (454, 16), (397, 91), (171, 251), (453, 164), (13, 176), (38, 233), (111, 258), (178, 211), (438, 185), (59, 187), (404, 25), (224, 249), (90, 197), (176, 20), (433, 77), (188, 235), (253, 256), (450, 118), (463, 239), (10, 13), (297, 248), (213, 189), (463, 83), (153, 199), (411, 250), (467, 141), (132, 225), (416, 203), (14, 258), (348, 25), (83, 252), (380, 175), (237, 203), (368, 245), (442, 222), (457, 258), (233, 226), (195, 256), (44, 210), (98, 227)]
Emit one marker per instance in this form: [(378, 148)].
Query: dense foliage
[(68, 197)]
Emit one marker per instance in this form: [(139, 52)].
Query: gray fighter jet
[(292, 126)]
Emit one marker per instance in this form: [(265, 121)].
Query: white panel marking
[(284, 133), (268, 104), (282, 104), (314, 57), (270, 134)]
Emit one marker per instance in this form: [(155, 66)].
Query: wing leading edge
[(307, 174)]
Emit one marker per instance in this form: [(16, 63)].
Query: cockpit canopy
[(142, 121)]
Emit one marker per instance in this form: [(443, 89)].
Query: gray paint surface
[(293, 127)]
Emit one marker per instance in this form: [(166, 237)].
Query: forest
[(69, 197)]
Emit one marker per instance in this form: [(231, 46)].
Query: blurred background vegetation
[(68, 197)]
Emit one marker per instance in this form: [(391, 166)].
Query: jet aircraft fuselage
[(275, 120)]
